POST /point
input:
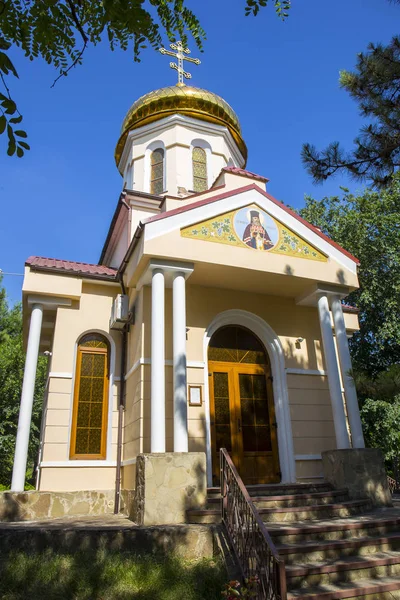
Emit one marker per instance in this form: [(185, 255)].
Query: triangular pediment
[(252, 227)]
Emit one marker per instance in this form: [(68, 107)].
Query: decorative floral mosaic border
[(221, 229)]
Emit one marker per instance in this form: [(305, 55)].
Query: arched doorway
[(242, 412)]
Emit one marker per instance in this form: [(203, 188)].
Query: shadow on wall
[(131, 563), (341, 277), (10, 506), (168, 485)]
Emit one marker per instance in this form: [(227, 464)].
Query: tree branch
[(71, 66), (77, 21)]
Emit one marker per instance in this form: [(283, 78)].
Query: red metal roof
[(244, 173), (71, 267), (350, 309)]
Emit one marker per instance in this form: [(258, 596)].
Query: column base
[(361, 471), (169, 484)]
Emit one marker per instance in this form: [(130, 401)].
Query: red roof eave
[(68, 267), (252, 186)]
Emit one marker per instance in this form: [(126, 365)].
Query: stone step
[(278, 489), (206, 515), (291, 514), (377, 523), (290, 500), (316, 511), (348, 569), (386, 588), (309, 552)]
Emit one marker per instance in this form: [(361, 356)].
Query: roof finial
[(180, 55)]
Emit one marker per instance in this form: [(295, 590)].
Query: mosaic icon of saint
[(255, 235)]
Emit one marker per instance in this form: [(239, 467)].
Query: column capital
[(312, 295), (168, 267), (48, 301)]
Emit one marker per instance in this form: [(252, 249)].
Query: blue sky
[(281, 79)]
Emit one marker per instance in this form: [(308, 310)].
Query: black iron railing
[(394, 485), (253, 547)]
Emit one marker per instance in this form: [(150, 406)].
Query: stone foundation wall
[(185, 541), (361, 471), (168, 485), (33, 505), (127, 503)]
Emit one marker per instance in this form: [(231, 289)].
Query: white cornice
[(237, 199), (196, 125)]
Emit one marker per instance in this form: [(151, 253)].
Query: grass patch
[(106, 575)]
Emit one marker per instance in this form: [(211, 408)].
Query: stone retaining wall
[(185, 541), (168, 485), (33, 505), (361, 471)]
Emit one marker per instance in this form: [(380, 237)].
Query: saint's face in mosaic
[(255, 234)]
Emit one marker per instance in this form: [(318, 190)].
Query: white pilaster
[(157, 361), (28, 390), (353, 411), (339, 417), (181, 443)]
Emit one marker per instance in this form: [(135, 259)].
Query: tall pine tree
[(375, 86)]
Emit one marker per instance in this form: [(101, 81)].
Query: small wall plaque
[(195, 398)]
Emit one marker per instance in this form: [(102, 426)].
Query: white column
[(181, 443), (157, 362), (28, 390), (339, 417), (353, 411)]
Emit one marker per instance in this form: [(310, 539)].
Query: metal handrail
[(254, 549), (393, 484)]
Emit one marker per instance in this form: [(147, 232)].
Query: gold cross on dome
[(180, 55)]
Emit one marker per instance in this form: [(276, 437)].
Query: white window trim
[(110, 397), (158, 144), (199, 143)]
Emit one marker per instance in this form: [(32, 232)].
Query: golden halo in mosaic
[(185, 100)]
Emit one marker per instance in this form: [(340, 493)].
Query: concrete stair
[(333, 547)]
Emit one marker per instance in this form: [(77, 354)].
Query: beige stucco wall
[(310, 409), (68, 479), (91, 312)]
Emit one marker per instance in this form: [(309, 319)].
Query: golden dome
[(185, 100)]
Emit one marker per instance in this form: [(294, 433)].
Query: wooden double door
[(243, 420)]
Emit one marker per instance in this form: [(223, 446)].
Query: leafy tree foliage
[(282, 7), (368, 226), (381, 426), (12, 360), (59, 32), (375, 86), (380, 413)]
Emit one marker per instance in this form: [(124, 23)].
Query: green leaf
[(10, 106), (16, 119), (21, 133), (24, 145), (20, 152), (6, 65), (3, 123), (11, 141)]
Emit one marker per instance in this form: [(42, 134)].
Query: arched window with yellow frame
[(199, 160), (157, 171), (90, 409)]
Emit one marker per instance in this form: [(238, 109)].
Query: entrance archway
[(273, 347), (242, 405)]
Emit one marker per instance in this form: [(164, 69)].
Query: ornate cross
[(180, 55)]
